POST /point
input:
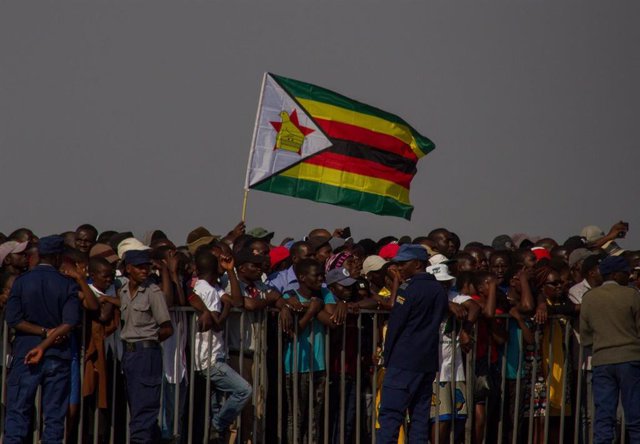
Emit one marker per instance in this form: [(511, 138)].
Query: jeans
[(226, 380), (22, 383), (168, 409), (402, 391), (609, 382)]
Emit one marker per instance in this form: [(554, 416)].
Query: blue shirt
[(304, 340), (44, 297), (284, 280), (413, 332)]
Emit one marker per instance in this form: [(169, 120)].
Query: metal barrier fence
[(516, 384)]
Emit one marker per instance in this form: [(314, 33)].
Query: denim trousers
[(226, 380), (609, 383), (23, 381)]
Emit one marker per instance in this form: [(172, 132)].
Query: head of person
[(341, 283), (500, 264), (105, 236), (481, 282), (464, 262), (13, 256), (261, 247), (503, 242), (50, 249), (300, 250), (442, 275), (368, 246), (279, 258), (207, 266), (322, 249), (374, 270), (576, 259), (565, 273), (248, 265), (524, 258), (482, 264), (464, 282), (590, 270), (69, 238), (86, 237), (137, 265), (561, 252), (75, 258), (548, 282), (615, 268), (443, 241), (345, 259), (546, 243), (310, 274), (411, 260), (319, 232), (101, 272), (23, 235)]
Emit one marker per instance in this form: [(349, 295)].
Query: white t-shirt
[(446, 345), (212, 298)]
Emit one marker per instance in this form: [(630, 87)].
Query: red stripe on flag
[(345, 131), (360, 166)]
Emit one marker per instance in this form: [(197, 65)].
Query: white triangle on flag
[(276, 150)]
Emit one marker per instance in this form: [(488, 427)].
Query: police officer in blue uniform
[(145, 323), (42, 308), (411, 348)]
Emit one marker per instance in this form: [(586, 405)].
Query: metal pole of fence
[(454, 411), (81, 353), (294, 372), (264, 376), (374, 410), (177, 378), (470, 379), (96, 416), (327, 366), (503, 386), (549, 366), (436, 430), (192, 335), (310, 422), (3, 396), (241, 368), (486, 399), (359, 380), (279, 388), (578, 408), (255, 371), (112, 425), (516, 408), (207, 395), (128, 430), (534, 369), (342, 382), (565, 364)]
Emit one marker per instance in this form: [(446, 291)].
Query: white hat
[(437, 259), (441, 272), (11, 247), (130, 244), (372, 263)]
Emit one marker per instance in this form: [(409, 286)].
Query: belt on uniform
[(135, 346)]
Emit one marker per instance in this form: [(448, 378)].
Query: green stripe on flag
[(319, 192)]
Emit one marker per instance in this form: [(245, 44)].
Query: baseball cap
[(541, 253), (389, 251), (441, 272), (409, 252), (592, 233), (503, 242), (11, 247), (373, 263), (51, 245), (340, 276), (137, 257), (578, 255), (278, 254), (575, 242), (612, 264), (438, 259)]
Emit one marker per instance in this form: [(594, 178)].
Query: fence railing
[(335, 400)]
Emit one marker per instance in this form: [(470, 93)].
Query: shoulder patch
[(400, 300), (403, 286)]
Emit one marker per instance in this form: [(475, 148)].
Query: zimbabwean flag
[(316, 144)]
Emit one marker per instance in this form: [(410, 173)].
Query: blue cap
[(340, 276), (613, 264), (409, 252), (51, 245), (137, 257)]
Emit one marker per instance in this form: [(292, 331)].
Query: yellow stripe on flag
[(331, 112), (351, 181)]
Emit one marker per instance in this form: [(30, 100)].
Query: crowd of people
[(391, 327)]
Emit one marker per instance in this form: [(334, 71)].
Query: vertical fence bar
[(454, 350), (503, 386), (310, 422), (112, 424), (359, 380), (177, 378), (294, 375), (436, 430), (565, 364), (549, 367), (192, 335), (81, 353), (255, 372), (280, 360), (3, 396), (487, 399), (577, 430), (374, 409), (207, 395), (241, 371), (327, 364), (471, 380), (264, 380), (515, 423), (534, 369), (343, 384)]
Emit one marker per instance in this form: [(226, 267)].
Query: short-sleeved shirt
[(143, 314), (44, 297), (285, 280), (251, 325), (209, 345), (304, 339)]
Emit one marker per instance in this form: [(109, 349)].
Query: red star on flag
[(294, 119)]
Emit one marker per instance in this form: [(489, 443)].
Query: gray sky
[(138, 115)]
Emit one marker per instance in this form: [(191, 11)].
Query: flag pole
[(251, 149)]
